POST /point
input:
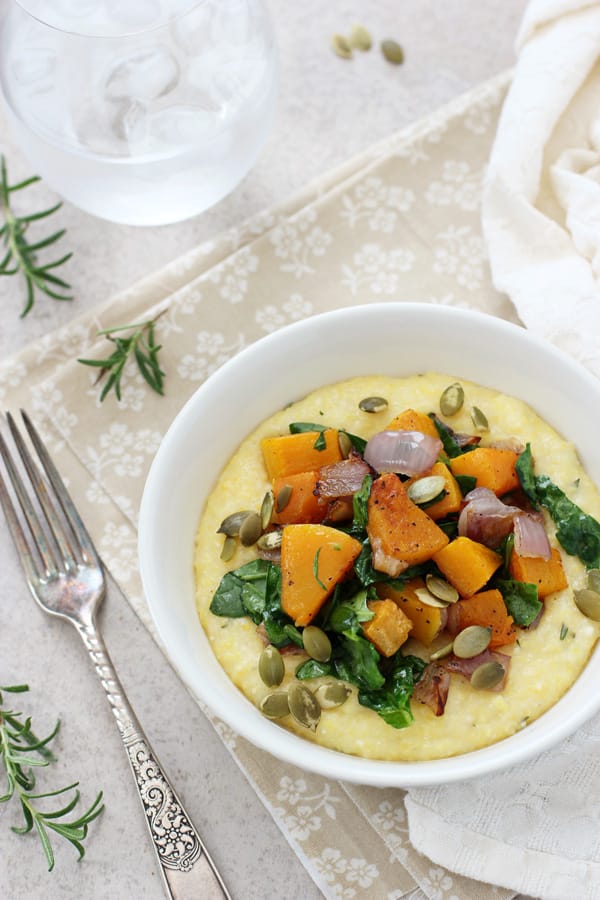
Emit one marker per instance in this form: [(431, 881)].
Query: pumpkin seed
[(341, 47), (359, 38), (588, 603), (393, 52), (442, 652), (425, 489), (316, 643), (593, 580), (275, 705), (231, 524), (270, 666), (270, 541), (373, 404), (487, 675), (428, 599), (441, 589), (479, 419), (345, 444), (452, 399), (250, 529), (332, 694), (304, 706), (472, 641), (266, 510), (228, 550), (283, 497)]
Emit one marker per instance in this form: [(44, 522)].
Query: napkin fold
[(538, 826), (541, 198)]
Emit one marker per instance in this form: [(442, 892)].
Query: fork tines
[(56, 539)]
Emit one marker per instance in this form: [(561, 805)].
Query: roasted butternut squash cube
[(467, 564), (487, 608), (411, 420), (494, 468), (427, 621), (314, 558), (547, 574), (451, 502), (388, 629), (303, 505), (289, 454), (400, 533)]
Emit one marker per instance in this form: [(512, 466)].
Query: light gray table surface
[(328, 110)]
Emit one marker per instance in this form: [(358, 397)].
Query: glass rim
[(102, 31)]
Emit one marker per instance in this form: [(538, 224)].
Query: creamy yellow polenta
[(543, 666)]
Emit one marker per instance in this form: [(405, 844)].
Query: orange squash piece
[(427, 621), (493, 468), (451, 502), (487, 608), (303, 505), (467, 564), (388, 629), (547, 574), (290, 454), (314, 558), (400, 533), (411, 420)]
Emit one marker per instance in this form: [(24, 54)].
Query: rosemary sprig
[(17, 744), (140, 344), (20, 255)]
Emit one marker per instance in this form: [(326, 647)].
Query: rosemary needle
[(18, 746), (141, 345), (22, 256)]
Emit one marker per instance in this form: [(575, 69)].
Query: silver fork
[(66, 577)]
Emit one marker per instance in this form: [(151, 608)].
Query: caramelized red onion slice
[(531, 539), (403, 452), (485, 518), (432, 688), (466, 667), (340, 479)]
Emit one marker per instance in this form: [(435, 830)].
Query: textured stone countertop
[(328, 110)]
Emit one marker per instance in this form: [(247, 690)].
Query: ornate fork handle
[(186, 867)]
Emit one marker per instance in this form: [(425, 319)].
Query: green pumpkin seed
[(426, 489), (316, 643), (359, 38), (341, 47), (373, 404), (487, 675), (250, 529), (393, 52), (479, 419), (345, 444), (229, 545), (231, 524), (441, 589), (304, 706), (593, 580), (270, 666), (266, 510), (270, 541), (427, 599), (275, 705), (452, 399), (283, 497), (442, 652), (472, 641), (332, 694), (588, 603)]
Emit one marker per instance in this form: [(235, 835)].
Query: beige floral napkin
[(399, 223)]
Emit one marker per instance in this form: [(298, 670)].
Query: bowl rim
[(271, 737)]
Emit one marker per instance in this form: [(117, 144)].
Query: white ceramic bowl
[(389, 339)]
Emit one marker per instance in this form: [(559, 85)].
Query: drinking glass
[(143, 112)]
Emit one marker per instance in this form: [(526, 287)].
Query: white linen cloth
[(538, 826)]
